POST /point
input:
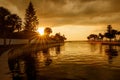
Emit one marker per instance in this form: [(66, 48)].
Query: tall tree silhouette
[(110, 33), (3, 28), (31, 20)]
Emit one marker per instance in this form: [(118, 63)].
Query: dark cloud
[(60, 12)]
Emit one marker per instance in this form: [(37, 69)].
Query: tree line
[(110, 34), (11, 25), (51, 38)]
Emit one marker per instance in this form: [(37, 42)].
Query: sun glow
[(40, 30)]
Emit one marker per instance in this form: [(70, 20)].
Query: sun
[(40, 30)]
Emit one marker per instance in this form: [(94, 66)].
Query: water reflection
[(14, 68), (58, 49), (25, 67), (3, 49), (47, 56), (19, 70), (93, 47), (77, 61), (112, 52)]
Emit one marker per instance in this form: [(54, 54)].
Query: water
[(71, 61)]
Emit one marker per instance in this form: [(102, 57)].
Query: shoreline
[(106, 42)]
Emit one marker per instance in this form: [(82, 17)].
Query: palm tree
[(3, 28)]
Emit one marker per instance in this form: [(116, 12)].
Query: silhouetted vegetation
[(109, 34), (58, 37), (13, 22), (3, 28), (92, 37), (31, 20), (111, 52), (11, 26), (47, 31), (8, 23)]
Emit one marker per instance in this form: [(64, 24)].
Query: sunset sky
[(74, 18)]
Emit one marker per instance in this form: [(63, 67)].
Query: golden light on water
[(40, 30)]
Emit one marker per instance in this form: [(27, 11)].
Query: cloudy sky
[(74, 18)]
